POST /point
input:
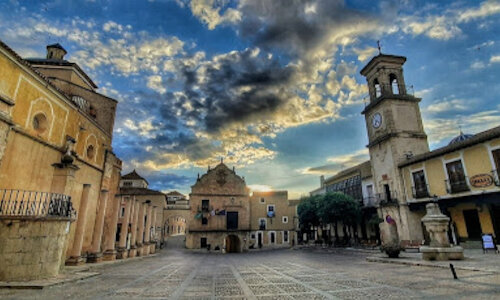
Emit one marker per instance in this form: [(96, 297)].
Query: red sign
[(481, 180)]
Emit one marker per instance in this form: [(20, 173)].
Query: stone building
[(461, 177), (176, 214), (273, 221), (55, 143), (140, 219), (225, 217), (356, 182), (220, 211)]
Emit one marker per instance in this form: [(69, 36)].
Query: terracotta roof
[(475, 139), (364, 170), (175, 193), (139, 191), (61, 62), (134, 176), (34, 70)]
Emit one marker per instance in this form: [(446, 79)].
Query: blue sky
[(271, 86)]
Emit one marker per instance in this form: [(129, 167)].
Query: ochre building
[(140, 221), (55, 143)]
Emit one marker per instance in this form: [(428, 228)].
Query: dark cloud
[(295, 26), (231, 88)]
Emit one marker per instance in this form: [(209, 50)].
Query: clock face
[(376, 120)]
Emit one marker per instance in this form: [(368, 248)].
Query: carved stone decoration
[(221, 177), (436, 224)]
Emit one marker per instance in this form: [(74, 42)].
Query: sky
[(273, 87)]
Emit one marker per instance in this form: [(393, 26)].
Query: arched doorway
[(232, 244)]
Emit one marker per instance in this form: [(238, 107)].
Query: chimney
[(56, 51)]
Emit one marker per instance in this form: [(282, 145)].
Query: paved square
[(280, 274)]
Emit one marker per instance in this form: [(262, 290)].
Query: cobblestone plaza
[(280, 274)]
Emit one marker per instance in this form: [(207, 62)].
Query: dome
[(460, 138)]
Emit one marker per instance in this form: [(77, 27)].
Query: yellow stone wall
[(476, 160), (29, 155)]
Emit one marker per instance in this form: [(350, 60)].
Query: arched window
[(40, 123), (90, 152), (394, 84), (378, 90)]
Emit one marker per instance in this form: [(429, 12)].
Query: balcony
[(420, 191), (19, 203), (457, 186), (370, 201), (383, 199)]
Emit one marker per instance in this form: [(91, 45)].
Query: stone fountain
[(436, 224)]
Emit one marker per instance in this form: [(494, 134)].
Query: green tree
[(308, 212), (339, 207)]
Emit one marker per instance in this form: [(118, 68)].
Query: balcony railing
[(420, 191), (370, 201), (457, 186), (383, 198), (37, 204)]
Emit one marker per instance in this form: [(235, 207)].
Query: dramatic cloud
[(340, 162)]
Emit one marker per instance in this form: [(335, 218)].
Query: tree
[(339, 207), (307, 211)]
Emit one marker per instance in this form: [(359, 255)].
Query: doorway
[(259, 239), (472, 224), (232, 244)]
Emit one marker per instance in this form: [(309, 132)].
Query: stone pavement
[(475, 260), (283, 274)]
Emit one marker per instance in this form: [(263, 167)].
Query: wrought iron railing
[(383, 198), (457, 186), (420, 191), (33, 203), (370, 201)]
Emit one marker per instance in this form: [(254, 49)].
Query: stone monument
[(436, 224)]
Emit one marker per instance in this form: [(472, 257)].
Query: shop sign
[(481, 180), (488, 242)]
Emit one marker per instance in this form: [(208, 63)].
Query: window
[(378, 90), (369, 190), (496, 158), (127, 183), (204, 221), (253, 236), (270, 211), (232, 220), (285, 236), (284, 219), (40, 123), (420, 188), (394, 84), (262, 224), (262, 200), (122, 213), (90, 152), (387, 193), (456, 177), (205, 205), (203, 242), (118, 232)]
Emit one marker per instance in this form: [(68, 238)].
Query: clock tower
[(395, 133)]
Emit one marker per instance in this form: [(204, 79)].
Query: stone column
[(133, 239), (140, 231), (81, 220), (147, 230), (95, 250), (122, 244), (153, 232), (110, 237)]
